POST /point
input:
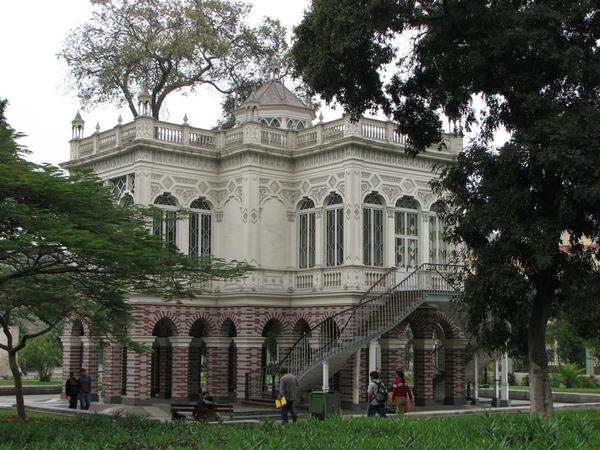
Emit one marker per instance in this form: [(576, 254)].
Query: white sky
[(34, 80)]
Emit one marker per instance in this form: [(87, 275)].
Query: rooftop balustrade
[(191, 139)]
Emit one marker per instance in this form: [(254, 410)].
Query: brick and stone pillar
[(217, 367), (139, 367), (249, 360), (423, 371), (455, 372), (393, 356), (112, 383), (72, 356), (180, 368), (90, 362)]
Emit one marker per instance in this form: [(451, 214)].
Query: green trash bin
[(323, 404)]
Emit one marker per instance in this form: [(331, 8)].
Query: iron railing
[(382, 307)]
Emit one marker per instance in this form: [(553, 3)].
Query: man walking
[(85, 389), (377, 404), (288, 385)]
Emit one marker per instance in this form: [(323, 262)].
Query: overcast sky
[(33, 79)]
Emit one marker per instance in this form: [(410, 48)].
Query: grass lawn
[(574, 390), (575, 429), (11, 382)]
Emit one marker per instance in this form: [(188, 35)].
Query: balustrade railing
[(184, 135)]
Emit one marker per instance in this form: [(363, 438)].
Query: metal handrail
[(381, 308)]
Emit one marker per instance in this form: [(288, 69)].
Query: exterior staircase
[(335, 340)]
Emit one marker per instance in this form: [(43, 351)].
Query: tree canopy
[(535, 68), (165, 46), (69, 251)]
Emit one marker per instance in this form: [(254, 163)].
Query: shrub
[(569, 375), (525, 381), (511, 379), (590, 382)]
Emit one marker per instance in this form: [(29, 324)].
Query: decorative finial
[(120, 119), (185, 118), (274, 68), (97, 127), (321, 117)]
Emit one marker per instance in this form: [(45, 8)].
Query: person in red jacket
[(401, 393)]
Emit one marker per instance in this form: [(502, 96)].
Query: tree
[(68, 250), (535, 68), (43, 354), (166, 46)]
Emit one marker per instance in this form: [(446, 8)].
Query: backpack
[(381, 395)]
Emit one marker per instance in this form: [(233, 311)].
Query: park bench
[(203, 412)]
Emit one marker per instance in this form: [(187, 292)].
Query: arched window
[(334, 230), (438, 252), (127, 200), (407, 233), (166, 223), (200, 228), (271, 122), (373, 231), (306, 234)]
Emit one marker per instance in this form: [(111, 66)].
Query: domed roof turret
[(274, 101)]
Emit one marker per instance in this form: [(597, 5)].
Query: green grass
[(11, 382), (567, 430), (561, 389)]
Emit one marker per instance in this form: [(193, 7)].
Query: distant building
[(324, 212)]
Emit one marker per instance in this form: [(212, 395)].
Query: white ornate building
[(322, 211)]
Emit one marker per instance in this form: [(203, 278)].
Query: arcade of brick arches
[(226, 341)]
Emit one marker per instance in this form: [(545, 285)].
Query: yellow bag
[(281, 401)]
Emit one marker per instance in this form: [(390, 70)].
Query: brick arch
[(175, 320), (234, 319), (201, 327), (451, 328), (275, 322), (164, 328), (399, 331), (203, 319), (300, 327), (76, 328), (228, 328), (421, 324)]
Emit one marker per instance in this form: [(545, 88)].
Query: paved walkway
[(161, 410)]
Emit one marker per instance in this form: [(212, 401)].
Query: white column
[(475, 400), (356, 381), (325, 376), (504, 400), (373, 350)]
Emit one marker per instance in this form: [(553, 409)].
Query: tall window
[(306, 234), (438, 252), (120, 185), (166, 223), (334, 232), (373, 230), (407, 234), (200, 228)]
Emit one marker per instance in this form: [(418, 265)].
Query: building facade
[(321, 210)]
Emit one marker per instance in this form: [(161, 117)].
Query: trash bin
[(323, 404)]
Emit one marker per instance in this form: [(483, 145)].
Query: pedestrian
[(401, 393), (85, 389), (377, 396), (288, 386), (72, 390), (206, 408)]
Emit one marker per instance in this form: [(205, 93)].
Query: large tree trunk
[(14, 368), (540, 391)]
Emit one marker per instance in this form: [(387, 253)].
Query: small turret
[(145, 103), (77, 127)]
